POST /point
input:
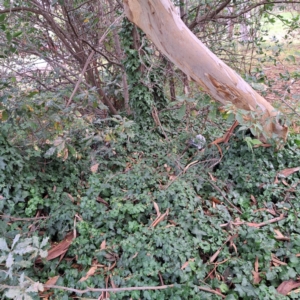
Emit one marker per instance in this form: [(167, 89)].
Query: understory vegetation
[(101, 188), (148, 211)]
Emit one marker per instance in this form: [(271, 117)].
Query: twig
[(282, 99), (22, 219), (203, 288), (87, 290), (89, 59), (161, 279), (227, 200), (281, 217), (160, 218), (157, 122), (183, 171)]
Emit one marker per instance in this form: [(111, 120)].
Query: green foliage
[(144, 74), (115, 204), (19, 257)]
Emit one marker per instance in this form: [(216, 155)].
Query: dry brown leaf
[(103, 245), (285, 183), (90, 273), (256, 277), (288, 172), (278, 233), (168, 168), (255, 273), (71, 197), (160, 218), (61, 248), (51, 281), (253, 199), (156, 208), (66, 153), (187, 263), (172, 177), (276, 262), (94, 168), (212, 177), (256, 265), (184, 265), (272, 212), (215, 200), (276, 181), (286, 286), (214, 257), (99, 199)]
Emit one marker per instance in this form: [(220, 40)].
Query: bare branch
[(87, 290)]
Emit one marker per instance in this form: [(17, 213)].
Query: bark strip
[(159, 20)]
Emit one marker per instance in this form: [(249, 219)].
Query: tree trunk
[(159, 20), (120, 57)]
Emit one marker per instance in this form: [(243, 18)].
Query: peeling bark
[(159, 20)]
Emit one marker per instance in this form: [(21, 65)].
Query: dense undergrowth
[(150, 211)]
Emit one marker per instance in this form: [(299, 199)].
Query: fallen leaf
[(253, 199), (90, 273), (66, 154), (215, 200), (285, 183), (278, 233), (256, 264), (168, 168), (276, 262), (256, 277), (51, 281), (286, 286), (255, 273), (184, 265), (187, 263), (99, 199), (156, 208), (212, 177), (103, 245), (94, 168), (288, 172), (71, 197), (214, 257), (160, 218), (61, 248), (276, 181), (172, 177)]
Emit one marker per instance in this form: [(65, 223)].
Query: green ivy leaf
[(181, 112)]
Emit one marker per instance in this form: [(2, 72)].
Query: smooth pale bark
[(161, 23)]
